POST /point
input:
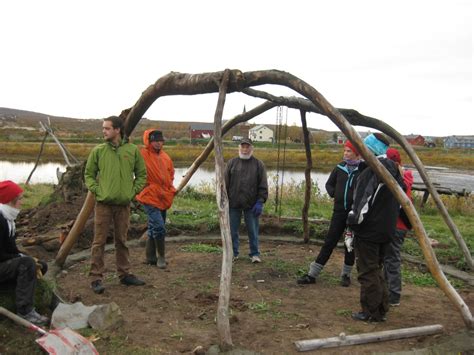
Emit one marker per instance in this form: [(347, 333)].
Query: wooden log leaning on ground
[(223, 324), (375, 337), (192, 84)]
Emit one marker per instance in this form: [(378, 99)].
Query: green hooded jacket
[(115, 174)]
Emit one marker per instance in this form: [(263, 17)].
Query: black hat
[(245, 141), (156, 136)]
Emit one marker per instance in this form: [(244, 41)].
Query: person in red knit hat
[(392, 260), (339, 186), (15, 266)]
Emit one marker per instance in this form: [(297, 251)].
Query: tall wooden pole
[(223, 325), (307, 177)]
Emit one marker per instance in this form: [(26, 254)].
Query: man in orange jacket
[(158, 194)]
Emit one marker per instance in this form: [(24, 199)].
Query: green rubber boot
[(150, 252), (160, 247)]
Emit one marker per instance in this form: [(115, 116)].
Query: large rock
[(106, 317), (74, 315)]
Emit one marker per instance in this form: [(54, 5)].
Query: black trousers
[(373, 288), (22, 272), (335, 232)]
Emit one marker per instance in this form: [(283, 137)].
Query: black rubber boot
[(160, 247), (150, 251)]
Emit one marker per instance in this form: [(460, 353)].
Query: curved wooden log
[(339, 120), (357, 119), (244, 117), (223, 324)]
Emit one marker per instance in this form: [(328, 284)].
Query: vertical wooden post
[(307, 177), (223, 325), (37, 158)]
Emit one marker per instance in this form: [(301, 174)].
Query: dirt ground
[(175, 312)]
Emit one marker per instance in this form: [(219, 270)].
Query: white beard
[(245, 156)]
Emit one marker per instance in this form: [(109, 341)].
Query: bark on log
[(343, 340), (223, 324), (307, 177)]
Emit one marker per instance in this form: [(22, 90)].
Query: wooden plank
[(446, 182), (343, 340)]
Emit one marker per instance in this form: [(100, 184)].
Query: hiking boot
[(131, 280), (362, 316), (35, 318), (345, 280), (394, 304), (255, 259), (97, 286), (235, 258), (306, 280), (366, 317)]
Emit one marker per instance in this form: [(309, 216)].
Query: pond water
[(46, 173)]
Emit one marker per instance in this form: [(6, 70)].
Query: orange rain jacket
[(159, 190)]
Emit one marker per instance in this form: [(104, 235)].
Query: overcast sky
[(407, 62)]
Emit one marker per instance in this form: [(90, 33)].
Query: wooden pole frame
[(193, 84)]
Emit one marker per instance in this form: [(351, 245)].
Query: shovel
[(57, 341)]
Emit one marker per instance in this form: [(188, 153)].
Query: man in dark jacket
[(247, 189), (373, 218), (339, 186)]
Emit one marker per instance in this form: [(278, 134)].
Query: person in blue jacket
[(339, 186)]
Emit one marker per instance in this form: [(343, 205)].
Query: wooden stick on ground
[(343, 340)]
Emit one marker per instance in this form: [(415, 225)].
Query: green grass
[(37, 194), (202, 248)]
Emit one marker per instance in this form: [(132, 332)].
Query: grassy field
[(184, 153), (195, 210)]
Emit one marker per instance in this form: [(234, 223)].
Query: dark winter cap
[(156, 136), (246, 141), (9, 191)]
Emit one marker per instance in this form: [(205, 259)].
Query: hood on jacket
[(146, 137)]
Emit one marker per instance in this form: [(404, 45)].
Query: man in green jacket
[(115, 172)]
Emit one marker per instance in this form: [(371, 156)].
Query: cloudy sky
[(407, 62)]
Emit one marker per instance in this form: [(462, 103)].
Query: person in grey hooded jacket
[(247, 189)]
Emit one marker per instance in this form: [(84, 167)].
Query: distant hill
[(24, 125)]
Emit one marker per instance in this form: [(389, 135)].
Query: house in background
[(341, 138), (459, 142), (201, 130), (415, 139), (261, 133)]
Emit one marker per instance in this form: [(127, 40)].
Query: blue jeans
[(156, 222), (251, 222)]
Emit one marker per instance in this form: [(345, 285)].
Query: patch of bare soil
[(176, 310)]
